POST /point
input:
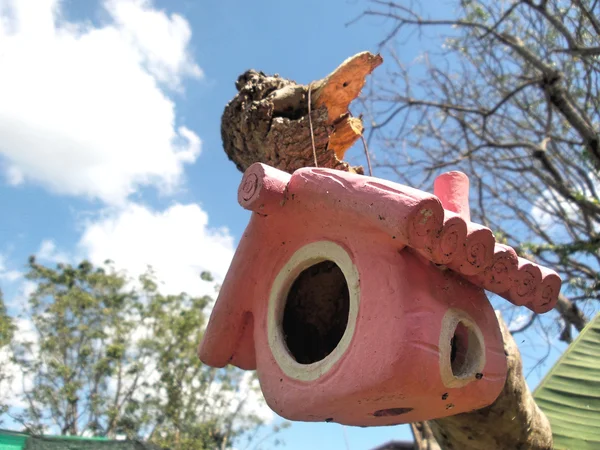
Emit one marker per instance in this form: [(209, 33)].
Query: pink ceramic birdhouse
[(362, 301)]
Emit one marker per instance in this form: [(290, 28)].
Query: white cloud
[(6, 274), (551, 209), (547, 210), (245, 399), (177, 243), (83, 109), (518, 321), (17, 301), (159, 38), (49, 253), (14, 176), (254, 402), (12, 380)]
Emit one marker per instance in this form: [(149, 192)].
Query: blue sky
[(110, 140)]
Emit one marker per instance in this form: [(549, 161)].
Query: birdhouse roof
[(437, 226)]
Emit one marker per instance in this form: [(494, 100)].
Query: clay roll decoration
[(361, 301)]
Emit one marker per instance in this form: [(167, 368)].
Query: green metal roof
[(13, 440)]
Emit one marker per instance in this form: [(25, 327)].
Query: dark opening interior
[(459, 352), (316, 312)]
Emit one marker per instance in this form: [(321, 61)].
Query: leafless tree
[(506, 92)]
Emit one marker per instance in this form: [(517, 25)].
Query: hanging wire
[(366, 147), (312, 135)]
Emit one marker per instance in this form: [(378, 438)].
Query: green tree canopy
[(110, 356), (6, 325), (6, 335)]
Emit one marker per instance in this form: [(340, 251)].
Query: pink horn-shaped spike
[(452, 188)]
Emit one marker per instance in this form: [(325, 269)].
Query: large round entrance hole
[(466, 351), (316, 312)]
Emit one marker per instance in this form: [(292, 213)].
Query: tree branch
[(267, 120)]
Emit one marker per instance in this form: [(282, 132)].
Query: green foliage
[(589, 246), (570, 394), (206, 276), (6, 325), (114, 356), (6, 335)]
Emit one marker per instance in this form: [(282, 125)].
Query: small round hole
[(466, 351), (316, 312)]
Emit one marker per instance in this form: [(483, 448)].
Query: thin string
[(345, 437), (366, 147), (364, 141), (312, 135)]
